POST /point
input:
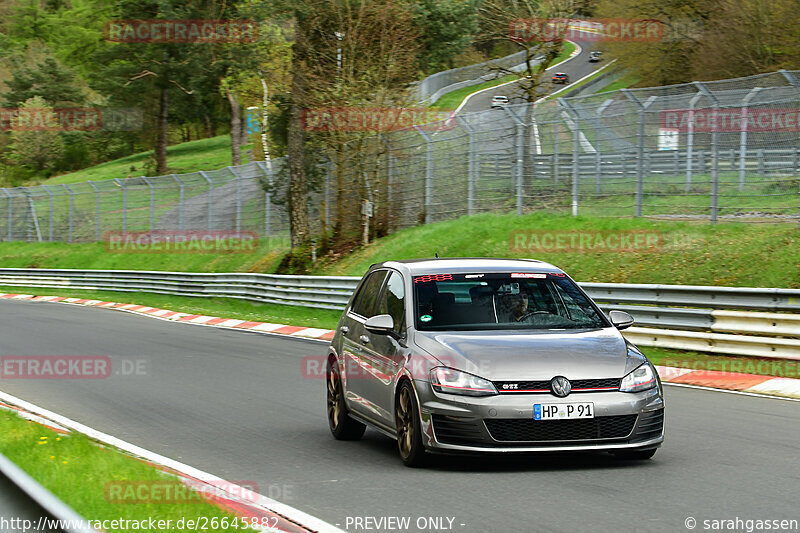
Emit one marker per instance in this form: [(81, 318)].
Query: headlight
[(642, 378), (457, 382)]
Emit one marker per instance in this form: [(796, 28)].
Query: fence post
[(714, 153), (32, 211), (761, 165), (96, 210), (519, 170), (50, 210), (640, 162), (238, 197), (210, 200), (470, 164), (690, 140), (555, 152), (428, 172), (597, 171), (152, 201), (180, 201), (266, 166), (71, 208), (568, 113), (10, 214), (121, 183), (743, 135)]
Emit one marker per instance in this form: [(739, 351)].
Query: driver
[(515, 305)]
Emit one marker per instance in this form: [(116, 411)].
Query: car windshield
[(524, 300)]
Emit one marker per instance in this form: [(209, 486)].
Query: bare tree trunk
[(161, 140), (236, 128), (295, 148), (209, 128)]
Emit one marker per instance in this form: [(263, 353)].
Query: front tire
[(342, 426), (409, 431)]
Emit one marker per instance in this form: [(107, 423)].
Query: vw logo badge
[(560, 386)]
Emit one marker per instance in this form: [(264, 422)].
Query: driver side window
[(393, 302)]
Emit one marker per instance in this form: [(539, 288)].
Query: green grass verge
[(219, 307), (622, 83), (95, 256), (78, 471), (453, 99), (203, 154)]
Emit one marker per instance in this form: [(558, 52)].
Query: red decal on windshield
[(433, 277)]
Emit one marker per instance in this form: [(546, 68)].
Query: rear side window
[(366, 298), (393, 302)]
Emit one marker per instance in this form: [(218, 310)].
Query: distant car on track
[(595, 56), (499, 101), (491, 356), (561, 77)]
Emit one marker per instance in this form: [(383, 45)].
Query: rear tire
[(409, 431), (636, 455), (342, 426)]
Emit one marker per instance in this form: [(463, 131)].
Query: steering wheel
[(531, 313)]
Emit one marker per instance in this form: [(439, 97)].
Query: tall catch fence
[(713, 150)]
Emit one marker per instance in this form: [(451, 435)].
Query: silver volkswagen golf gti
[(492, 356)]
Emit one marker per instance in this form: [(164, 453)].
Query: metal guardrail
[(684, 315), (60, 517)]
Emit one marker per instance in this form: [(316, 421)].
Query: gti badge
[(560, 386), (510, 386)]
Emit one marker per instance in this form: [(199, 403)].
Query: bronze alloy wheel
[(409, 437), (342, 426)]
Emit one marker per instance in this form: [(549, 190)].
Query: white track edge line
[(267, 503)]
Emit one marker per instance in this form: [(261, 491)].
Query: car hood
[(530, 355)]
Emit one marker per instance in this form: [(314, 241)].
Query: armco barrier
[(734, 320)]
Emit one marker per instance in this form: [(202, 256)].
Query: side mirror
[(382, 324), (620, 319)]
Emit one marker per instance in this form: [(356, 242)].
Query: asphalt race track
[(236, 404), (576, 68)]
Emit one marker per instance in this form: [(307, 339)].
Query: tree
[(446, 29), (38, 148), (54, 83)]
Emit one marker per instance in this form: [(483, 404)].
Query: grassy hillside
[(204, 154), (734, 254)]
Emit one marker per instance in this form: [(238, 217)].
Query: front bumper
[(504, 423)]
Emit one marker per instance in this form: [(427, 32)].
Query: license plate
[(558, 411)]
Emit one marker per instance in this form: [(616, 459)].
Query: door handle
[(344, 329), (364, 339)]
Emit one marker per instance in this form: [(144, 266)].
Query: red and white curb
[(238, 500), (711, 379), (203, 320)]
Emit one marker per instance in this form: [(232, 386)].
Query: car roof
[(501, 96), (466, 265), (560, 74)]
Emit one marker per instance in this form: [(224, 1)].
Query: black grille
[(454, 430), (526, 429), (651, 425), (520, 387)]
